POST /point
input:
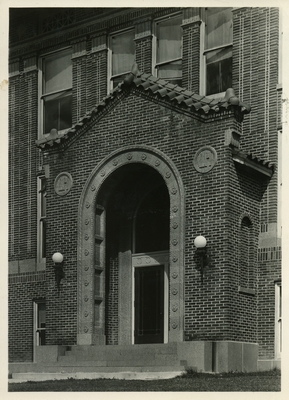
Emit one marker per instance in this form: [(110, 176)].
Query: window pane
[(219, 70), (57, 72), (219, 29), (171, 72), (123, 52), (43, 238), (43, 198), (41, 315), (169, 37), (57, 109), (118, 79)]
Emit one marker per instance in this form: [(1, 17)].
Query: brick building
[(133, 131)]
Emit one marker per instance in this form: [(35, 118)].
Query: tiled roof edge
[(174, 94), (265, 167)]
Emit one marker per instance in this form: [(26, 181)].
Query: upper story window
[(121, 56), (218, 38), (56, 93), (168, 49)]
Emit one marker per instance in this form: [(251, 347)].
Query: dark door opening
[(149, 304)]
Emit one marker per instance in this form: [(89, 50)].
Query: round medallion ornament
[(86, 314), (174, 275), (63, 183), (168, 175), (175, 209), (143, 156), (174, 325), (174, 242), (157, 163), (86, 252), (174, 190), (102, 173), (92, 188), (175, 291), (86, 237), (129, 156), (86, 299), (85, 329), (86, 268), (86, 283), (115, 162), (86, 221), (87, 205), (175, 308), (175, 225), (175, 259), (205, 159)]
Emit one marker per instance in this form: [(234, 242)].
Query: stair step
[(140, 375), (141, 348), (61, 369), (129, 356)]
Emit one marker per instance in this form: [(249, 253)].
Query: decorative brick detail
[(191, 56), (99, 43), (270, 254), (30, 64), (146, 155), (79, 49), (134, 123), (14, 68)]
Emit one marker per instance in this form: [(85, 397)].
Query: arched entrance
[(130, 268)]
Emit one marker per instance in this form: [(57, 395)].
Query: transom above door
[(150, 298)]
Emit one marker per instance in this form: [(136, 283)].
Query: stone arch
[(86, 237)]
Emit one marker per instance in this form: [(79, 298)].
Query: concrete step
[(55, 367), (129, 375), (125, 358), (100, 351), (147, 362)]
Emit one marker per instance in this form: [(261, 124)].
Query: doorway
[(149, 305), (150, 298), (140, 197)]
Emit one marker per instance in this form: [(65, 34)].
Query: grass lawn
[(269, 381)]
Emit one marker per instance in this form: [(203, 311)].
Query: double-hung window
[(217, 54), (278, 319), (168, 49), (122, 56), (56, 96), (41, 205)]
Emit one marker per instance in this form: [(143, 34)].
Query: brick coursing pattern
[(215, 201), (21, 293)]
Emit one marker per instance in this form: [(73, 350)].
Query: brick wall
[(217, 200), (22, 290), (157, 126)]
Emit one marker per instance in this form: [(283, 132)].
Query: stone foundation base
[(267, 365), (201, 356)]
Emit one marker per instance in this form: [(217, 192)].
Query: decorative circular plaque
[(205, 159), (63, 183)]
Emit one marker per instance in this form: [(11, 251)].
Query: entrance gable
[(153, 89), (90, 310)]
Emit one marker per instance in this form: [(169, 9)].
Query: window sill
[(244, 290), (215, 96)]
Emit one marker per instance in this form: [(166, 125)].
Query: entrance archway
[(131, 242)]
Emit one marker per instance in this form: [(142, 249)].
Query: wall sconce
[(200, 242), (57, 258)]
